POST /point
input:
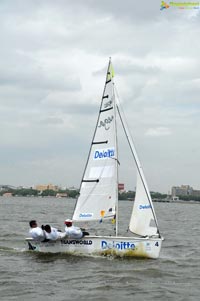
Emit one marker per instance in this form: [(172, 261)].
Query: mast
[(137, 162), (117, 162)]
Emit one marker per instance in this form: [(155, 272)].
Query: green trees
[(129, 195), (33, 192), (20, 192), (73, 193), (48, 192), (189, 198)]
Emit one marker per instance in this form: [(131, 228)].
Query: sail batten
[(100, 142), (89, 181), (106, 110)]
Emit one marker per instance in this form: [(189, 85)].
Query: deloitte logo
[(148, 206), (104, 153), (85, 215), (121, 245)]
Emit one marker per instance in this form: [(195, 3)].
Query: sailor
[(36, 232), (72, 231), (52, 233)]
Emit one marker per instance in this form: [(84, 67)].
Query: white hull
[(102, 245)]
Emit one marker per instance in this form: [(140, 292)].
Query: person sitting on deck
[(52, 233), (36, 232), (72, 231)]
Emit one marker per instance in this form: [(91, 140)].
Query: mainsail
[(98, 191)]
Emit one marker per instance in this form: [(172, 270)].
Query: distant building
[(120, 187), (46, 187), (184, 190), (7, 194), (196, 193), (61, 195), (175, 198)]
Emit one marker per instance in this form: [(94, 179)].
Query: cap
[(68, 221)]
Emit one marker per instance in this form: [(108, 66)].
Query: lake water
[(31, 276)]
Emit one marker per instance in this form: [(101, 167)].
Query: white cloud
[(53, 58), (158, 132)]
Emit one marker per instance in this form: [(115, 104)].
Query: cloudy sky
[(53, 58)]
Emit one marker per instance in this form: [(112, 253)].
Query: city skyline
[(183, 189)]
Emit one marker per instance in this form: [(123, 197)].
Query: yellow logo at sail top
[(110, 73)]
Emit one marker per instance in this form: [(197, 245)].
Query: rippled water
[(30, 276)]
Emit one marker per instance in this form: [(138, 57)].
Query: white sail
[(142, 220), (98, 192)]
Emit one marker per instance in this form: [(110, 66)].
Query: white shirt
[(53, 235), (73, 232), (37, 233)]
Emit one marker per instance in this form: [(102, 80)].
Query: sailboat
[(98, 198)]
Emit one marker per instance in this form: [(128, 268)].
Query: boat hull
[(101, 245)]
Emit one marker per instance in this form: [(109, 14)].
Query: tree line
[(34, 192), (126, 195)]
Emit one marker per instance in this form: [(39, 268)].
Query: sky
[(53, 60)]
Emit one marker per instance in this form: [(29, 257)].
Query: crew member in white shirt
[(36, 232), (52, 233), (72, 231)]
